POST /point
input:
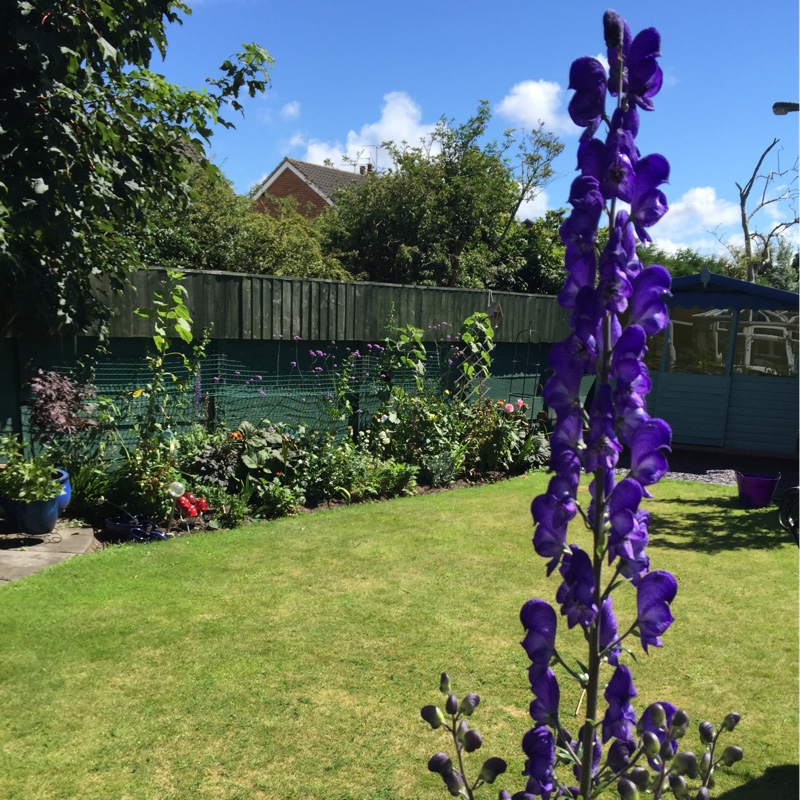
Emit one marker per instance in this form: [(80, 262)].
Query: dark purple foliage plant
[(616, 303)]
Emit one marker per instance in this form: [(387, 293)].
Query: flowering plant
[(601, 286)]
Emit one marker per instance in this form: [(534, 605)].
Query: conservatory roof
[(711, 290)]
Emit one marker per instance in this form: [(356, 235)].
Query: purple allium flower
[(576, 593), (538, 618), (539, 747), (654, 593), (620, 717), (544, 706)]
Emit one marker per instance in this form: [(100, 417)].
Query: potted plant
[(28, 488)]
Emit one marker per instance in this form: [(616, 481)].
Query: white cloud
[(533, 209), (693, 218), (530, 102), (291, 110), (400, 121)]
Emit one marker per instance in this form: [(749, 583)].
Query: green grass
[(290, 660)]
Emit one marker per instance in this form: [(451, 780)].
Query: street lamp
[(782, 109)]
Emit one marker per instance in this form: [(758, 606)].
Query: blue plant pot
[(10, 508), (38, 517), (62, 476)]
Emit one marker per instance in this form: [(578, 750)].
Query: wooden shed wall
[(267, 307)]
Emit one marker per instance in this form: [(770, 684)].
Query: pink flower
[(509, 408), (520, 403)]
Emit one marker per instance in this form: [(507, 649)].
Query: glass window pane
[(766, 343), (699, 340)]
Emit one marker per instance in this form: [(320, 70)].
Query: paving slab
[(23, 554)]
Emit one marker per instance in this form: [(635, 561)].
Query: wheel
[(788, 512)]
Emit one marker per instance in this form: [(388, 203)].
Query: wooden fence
[(266, 307)]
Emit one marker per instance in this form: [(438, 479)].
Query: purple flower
[(544, 706), (576, 593), (620, 753), (648, 463), (620, 717), (294, 363), (261, 391), (588, 78), (608, 631), (602, 447), (647, 307), (627, 536), (539, 747), (216, 378), (655, 592), (538, 618), (597, 753), (646, 723), (259, 378), (551, 516), (648, 203), (644, 74)]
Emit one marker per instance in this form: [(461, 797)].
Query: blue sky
[(350, 75)]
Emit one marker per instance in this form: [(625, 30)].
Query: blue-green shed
[(725, 372)]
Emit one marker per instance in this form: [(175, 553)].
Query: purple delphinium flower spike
[(627, 536), (649, 203), (620, 718), (539, 747), (602, 446), (654, 593), (576, 593)]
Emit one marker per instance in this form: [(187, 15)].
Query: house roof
[(711, 290), (325, 181)]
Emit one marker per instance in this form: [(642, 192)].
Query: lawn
[(290, 659)]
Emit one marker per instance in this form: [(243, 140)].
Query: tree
[(758, 250), (444, 213), (686, 261), (220, 231), (92, 142)]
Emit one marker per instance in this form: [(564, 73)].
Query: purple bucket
[(756, 489)]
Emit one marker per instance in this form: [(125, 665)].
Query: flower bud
[(678, 785), (731, 721), (640, 776), (650, 743), (702, 794), (461, 731), (433, 716), (685, 763), (707, 732), (705, 762), (444, 683), (451, 706), (441, 763), (731, 754), (472, 741), (665, 751), (680, 724), (612, 29), (454, 782), (491, 768), (469, 704), (657, 714), (627, 789)]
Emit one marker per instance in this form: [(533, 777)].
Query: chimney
[(369, 167), (362, 170)]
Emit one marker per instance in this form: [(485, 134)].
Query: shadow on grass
[(709, 525), (777, 783)]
